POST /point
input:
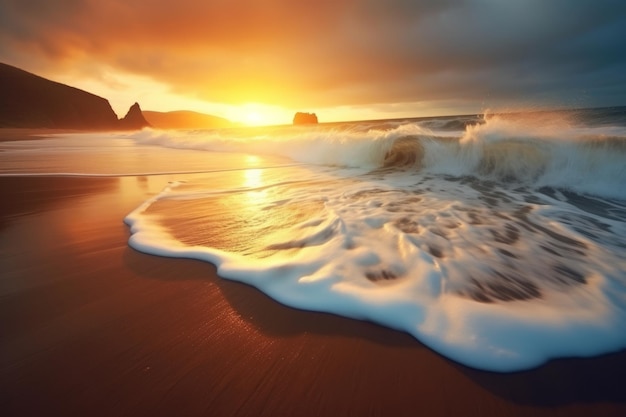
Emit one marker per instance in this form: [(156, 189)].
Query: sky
[(259, 61)]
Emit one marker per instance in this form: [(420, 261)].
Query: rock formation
[(301, 118), (27, 100), (134, 119)]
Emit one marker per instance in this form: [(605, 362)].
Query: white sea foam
[(473, 270)]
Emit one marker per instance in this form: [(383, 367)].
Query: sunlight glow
[(122, 89), (254, 118), (257, 114)]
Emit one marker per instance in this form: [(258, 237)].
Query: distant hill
[(30, 101), (184, 119)]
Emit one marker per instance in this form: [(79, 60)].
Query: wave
[(534, 151), (506, 152)]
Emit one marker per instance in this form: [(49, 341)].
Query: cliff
[(304, 118), (27, 100), (183, 119)]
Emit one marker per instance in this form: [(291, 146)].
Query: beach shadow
[(23, 196), (275, 319), (560, 382), (259, 310)]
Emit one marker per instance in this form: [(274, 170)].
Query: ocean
[(497, 240)]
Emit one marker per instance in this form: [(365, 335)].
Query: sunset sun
[(258, 114), (253, 118)]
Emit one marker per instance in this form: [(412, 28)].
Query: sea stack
[(301, 118), (134, 119)]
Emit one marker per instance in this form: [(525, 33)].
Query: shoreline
[(93, 327)]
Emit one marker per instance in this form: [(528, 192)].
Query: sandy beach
[(92, 327), (312, 209)]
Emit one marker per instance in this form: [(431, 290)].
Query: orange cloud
[(327, 52)]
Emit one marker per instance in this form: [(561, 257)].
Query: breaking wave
[(529, 151)]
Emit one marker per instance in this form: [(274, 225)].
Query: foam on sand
[(502, 286)]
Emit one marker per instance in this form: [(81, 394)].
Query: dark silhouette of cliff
[(30, 101), (27, 100), (304, 118), (134, 119), (183, 119)]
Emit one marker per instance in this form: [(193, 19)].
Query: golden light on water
[(253, 178)]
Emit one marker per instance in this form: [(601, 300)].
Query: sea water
[(497, 240)]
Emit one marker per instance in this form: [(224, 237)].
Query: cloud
[(330, 53)]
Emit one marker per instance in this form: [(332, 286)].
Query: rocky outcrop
[(301, 118), (27, 100), (134, 119)]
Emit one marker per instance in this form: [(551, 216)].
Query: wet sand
[(91, 327), (8, 134)]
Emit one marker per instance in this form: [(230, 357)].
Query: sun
[(259, 114), (253, 118)]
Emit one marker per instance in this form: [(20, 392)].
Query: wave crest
[(532, 151)]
